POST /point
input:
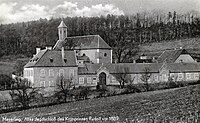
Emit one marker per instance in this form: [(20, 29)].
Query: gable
[(186, 58), (170, 56), (164, 69)]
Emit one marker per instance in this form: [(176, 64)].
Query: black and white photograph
[(100, 61)]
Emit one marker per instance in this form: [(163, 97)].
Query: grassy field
[(156, 48), (179, 104), (7, 67), (7, 63)]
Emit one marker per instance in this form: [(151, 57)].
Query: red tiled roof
[(84, 42), (51, 58)]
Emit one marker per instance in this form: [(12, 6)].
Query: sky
[(12, 11)]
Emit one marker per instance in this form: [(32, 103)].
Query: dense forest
[(120, 32)]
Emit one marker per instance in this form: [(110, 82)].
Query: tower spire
[(62, 30)]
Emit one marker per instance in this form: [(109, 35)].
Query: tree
[(122, 76), (124, 47), (131, 88), (80, 93), (19, 67), (5, 82), (102, 90), (145, 78), (22, 92), (63, 88)]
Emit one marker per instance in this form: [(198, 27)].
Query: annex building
[(87, 60)]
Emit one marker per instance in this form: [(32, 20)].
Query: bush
[(23, 94), (102, 89), (84, 92), (5, 82), (80, 93), (130, 88)]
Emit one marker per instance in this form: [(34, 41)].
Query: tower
[(62, 31)]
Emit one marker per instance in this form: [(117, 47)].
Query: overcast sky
[(12, 11)]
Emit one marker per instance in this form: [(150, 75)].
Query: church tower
[(62, 31)]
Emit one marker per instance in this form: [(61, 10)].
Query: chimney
[(37, 50), (63, 53)]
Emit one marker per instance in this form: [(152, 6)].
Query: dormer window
[(51, 60), (65, 60)]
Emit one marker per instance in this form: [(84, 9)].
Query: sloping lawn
[(180, 104), (6, 67)]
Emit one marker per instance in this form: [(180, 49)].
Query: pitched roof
[(34, 60), (84, 42), (139, 68), (51, 58), (183, 67), (62, 24), (170, 56), (120, 68)]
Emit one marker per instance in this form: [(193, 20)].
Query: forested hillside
[(122, 33)]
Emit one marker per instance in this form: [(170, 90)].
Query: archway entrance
[(102, 78)]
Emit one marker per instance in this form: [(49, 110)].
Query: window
[(51, 83), (61, 72), (164, 77), (24, 72), (81, 80), (42, 72), (94, 80), (89, 80), (51, 60), (71, 72), (51, 72), (31, 72), (188, 76), (42, 83), (113, 79), (65, 60), (105, 54), (156, 78), (180, 76), (196, 76)]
